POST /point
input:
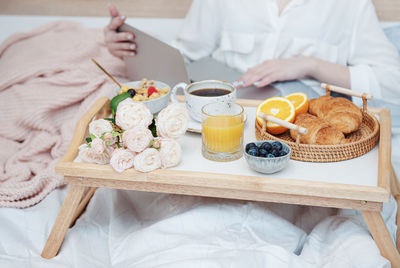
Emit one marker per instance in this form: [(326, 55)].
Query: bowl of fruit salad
[(154, 94), (267, 156)]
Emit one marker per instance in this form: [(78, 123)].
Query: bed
[(136, 229)]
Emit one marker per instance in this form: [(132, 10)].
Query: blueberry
[(250, 145), (277, 145), (253, 151), (262, 152), (132, 92), (270, 156), (266, 145), (282, 153), (275, 152)]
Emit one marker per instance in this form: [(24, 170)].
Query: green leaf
[(93, 136), (153, 128), (118, 141), (116, 100), (88, 140)]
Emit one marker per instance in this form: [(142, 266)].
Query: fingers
[(254, 76), (267, 80), (126, 49), (113, 37), (113, 11), (116, 19), (116, 22), (261, 75), (124, 46), (122, 53), (120, 44), (251, 79)]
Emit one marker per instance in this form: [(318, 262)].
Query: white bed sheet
[(136, 229)]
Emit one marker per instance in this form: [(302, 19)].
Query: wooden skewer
[(285, 124), (346, 91), (109, 75)]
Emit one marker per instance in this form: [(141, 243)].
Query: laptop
[(157, 60)]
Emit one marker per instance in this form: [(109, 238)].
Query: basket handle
[(346, 91), (349, 92), (273, 119)]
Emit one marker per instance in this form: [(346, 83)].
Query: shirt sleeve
[(374, 62), (200, 31)]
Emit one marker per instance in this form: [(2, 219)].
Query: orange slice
[(279, 107), (300, 102)]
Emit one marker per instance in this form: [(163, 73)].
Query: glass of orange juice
[(222, 131)]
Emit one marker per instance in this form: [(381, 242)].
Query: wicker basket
[(361, 141)]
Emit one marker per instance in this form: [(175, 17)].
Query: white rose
[(122, 159), (171, 152), (98, 146), (148, 160), (172, 121), (137, 139), (98, 127), (87, 154), (130, 114)]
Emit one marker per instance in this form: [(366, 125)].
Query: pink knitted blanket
[(47, 82)]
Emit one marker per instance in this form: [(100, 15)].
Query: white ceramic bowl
[(154, 105), (268, 165)]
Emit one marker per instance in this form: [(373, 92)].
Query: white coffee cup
[(194, 103)]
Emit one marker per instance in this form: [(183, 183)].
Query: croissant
[(338, 112), (319, 131)]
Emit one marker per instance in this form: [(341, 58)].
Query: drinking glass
[(222, 131)]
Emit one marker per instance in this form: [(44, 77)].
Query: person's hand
[(275, 70), (119, 44)]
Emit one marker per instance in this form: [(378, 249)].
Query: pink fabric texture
[(47, 82)]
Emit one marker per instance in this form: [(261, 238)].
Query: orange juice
[(223, 133)]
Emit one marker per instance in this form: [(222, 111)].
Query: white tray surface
[(359, 171)]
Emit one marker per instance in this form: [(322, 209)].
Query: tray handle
[(349, 92), (273, 119)]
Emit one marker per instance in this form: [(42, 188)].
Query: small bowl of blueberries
[(267, 156)]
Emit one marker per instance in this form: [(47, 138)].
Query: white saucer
[(195, 126)]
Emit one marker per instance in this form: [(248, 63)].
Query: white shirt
[(243, 34)]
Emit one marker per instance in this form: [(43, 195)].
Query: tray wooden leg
[(82, 205), (380, 233), (395, 190), (63, 221)]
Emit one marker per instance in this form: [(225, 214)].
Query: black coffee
[(210, 92)]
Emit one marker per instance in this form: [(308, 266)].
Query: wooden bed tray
[(84, 178)]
